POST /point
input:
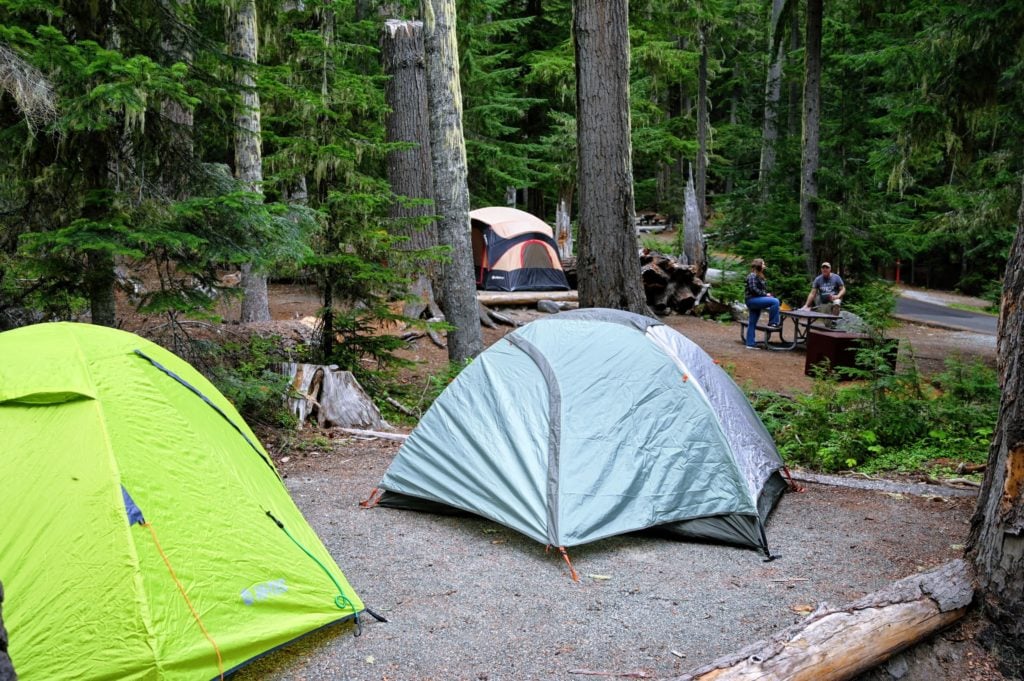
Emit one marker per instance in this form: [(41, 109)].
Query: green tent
[(589, 424), (146, 533)]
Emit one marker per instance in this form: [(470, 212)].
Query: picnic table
[(802, 322)]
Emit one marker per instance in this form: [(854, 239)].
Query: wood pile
[(671, 286)]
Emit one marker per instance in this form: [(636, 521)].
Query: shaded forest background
[(126, 152)]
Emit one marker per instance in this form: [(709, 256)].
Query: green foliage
[(438, 383), (246, 373), (770, 231), (364, 349), (874, 301), (418, 397), (730, 286), (887, 421)]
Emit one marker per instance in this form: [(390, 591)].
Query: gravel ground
[(470, 599)]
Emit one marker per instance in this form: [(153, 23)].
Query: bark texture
[(451, 191), (772, 93), (811, 135), (243, 39), (997, 528), (180, 120), (701, 181), (498, 298), (833, 644), (693, 232), (563, 228), (329, 397), (409, 168), (608, 268)]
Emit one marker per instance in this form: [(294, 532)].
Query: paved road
[(939, 315)]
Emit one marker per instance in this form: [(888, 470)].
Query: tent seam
[(554, 430)]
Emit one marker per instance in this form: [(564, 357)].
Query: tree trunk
[(701, 181), (812, 115), (99, 150), (734, 119), (772, 92), (409, 169), (793, 94), (838, 644), (99, 264), (693, 234), (563, 227), (99, 283), (997, 528), (178, 154), (609, 271), (451, 191), (243, 41)]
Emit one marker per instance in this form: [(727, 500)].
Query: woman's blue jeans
[(754, 307)]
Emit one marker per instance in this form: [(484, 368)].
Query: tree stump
[(331, 397)]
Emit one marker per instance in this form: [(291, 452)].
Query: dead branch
[(397, 437), (399, 406)]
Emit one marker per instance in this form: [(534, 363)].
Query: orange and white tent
[(515, 251)]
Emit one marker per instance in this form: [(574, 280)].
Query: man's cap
[(825, 264)]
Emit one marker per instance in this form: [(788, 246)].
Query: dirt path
[(781, 372)]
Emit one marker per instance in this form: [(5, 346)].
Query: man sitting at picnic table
[(827, 291)]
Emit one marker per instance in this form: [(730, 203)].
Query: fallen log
[(488, 317), (496, 298), (919, 489), (833, 644), (397, 437)]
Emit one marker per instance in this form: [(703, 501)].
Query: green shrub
[(888, 420), (364, 350), (439, 382), (246, 373)]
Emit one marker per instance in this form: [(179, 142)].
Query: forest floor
[(469, 599)]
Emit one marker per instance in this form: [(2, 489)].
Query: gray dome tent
[(589, 424)]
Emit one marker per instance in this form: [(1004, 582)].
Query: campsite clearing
[(470, 599)]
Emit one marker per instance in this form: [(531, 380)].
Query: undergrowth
[(887, 420), (246, 372)]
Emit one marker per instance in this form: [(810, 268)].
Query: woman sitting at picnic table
[(758, 298)]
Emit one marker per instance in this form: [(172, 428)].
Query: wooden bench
[(768, 332)]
